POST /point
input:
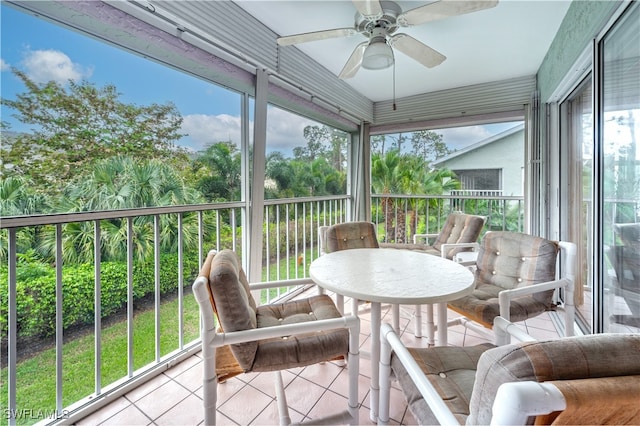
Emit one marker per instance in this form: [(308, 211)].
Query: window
[(480, 179)]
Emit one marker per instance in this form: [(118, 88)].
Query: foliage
[(220, 178), (36, 291), (425, 145), (397, 173), (75, 127)]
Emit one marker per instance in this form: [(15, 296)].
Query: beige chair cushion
[(467, 378), (451, 370), (459, 228), (508, 260), (592, 356), (302, 349), (236, 310), (351, 235), (235, 307), (413, 247)]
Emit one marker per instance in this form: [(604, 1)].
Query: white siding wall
[(506, 154)]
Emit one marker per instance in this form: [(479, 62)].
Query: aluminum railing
[(290, 244), (402, 216)]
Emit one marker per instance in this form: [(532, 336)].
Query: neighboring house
[(501, 155)]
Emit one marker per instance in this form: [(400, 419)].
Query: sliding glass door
[(577, 111), (619, 180)]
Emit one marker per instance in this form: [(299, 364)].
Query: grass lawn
[(36, 376)]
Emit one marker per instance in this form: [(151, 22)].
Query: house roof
[(480, 144)]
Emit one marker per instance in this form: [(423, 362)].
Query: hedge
[(36, 291)]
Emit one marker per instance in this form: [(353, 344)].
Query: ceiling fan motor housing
[(387, 22)]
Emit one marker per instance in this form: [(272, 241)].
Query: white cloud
[(457, 138), (203, 130), (284, 130), (3, 65), (43, 66)]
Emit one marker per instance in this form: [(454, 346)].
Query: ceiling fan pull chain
[(394, 85)]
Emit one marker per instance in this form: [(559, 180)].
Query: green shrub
[(36, 291)]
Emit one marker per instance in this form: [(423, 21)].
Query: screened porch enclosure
[(110, 309)]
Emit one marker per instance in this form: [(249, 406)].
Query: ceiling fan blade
[(316, 35), (417, 50), (353, 63), (370, 9), (442, 9)]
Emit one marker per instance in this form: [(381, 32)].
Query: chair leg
[(209, 385), (353, 364), (283, 409), (385, 381)]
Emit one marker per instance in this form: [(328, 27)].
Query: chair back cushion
[(459, 228), (351, 235), (234, 305), (511, 260), (591, 356)]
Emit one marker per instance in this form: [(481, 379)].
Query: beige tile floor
[(175, 397)]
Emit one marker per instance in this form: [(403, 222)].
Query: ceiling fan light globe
[(377, 56)]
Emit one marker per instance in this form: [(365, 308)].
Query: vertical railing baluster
[(201, 238), (97, 307), (59, 319), (234, 244), (287, 242), (296, 234), (130, 363), (156, 259), (217, 230), (304, 236), (12, 344), (277, 208), (268, 251), (180, 283)]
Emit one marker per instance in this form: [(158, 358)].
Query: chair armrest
[(505, 296), (280, 283), (502, 327), (423, 236), (616, 400), (351, 323), (391, 342), (516, 401), (444, 248)]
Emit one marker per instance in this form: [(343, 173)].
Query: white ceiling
[(507, 41)]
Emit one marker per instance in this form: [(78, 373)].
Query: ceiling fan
[(378, 20)]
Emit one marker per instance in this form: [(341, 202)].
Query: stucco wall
[(582, 23)]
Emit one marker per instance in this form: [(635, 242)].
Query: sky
[(46, 52)]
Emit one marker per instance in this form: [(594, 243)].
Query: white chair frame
[(390, 342), (212, 340), (565, 280)]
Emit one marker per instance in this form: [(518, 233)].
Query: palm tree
[(18, 199), (222, 180), (395, 173), (385, 180), (124, 183)]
